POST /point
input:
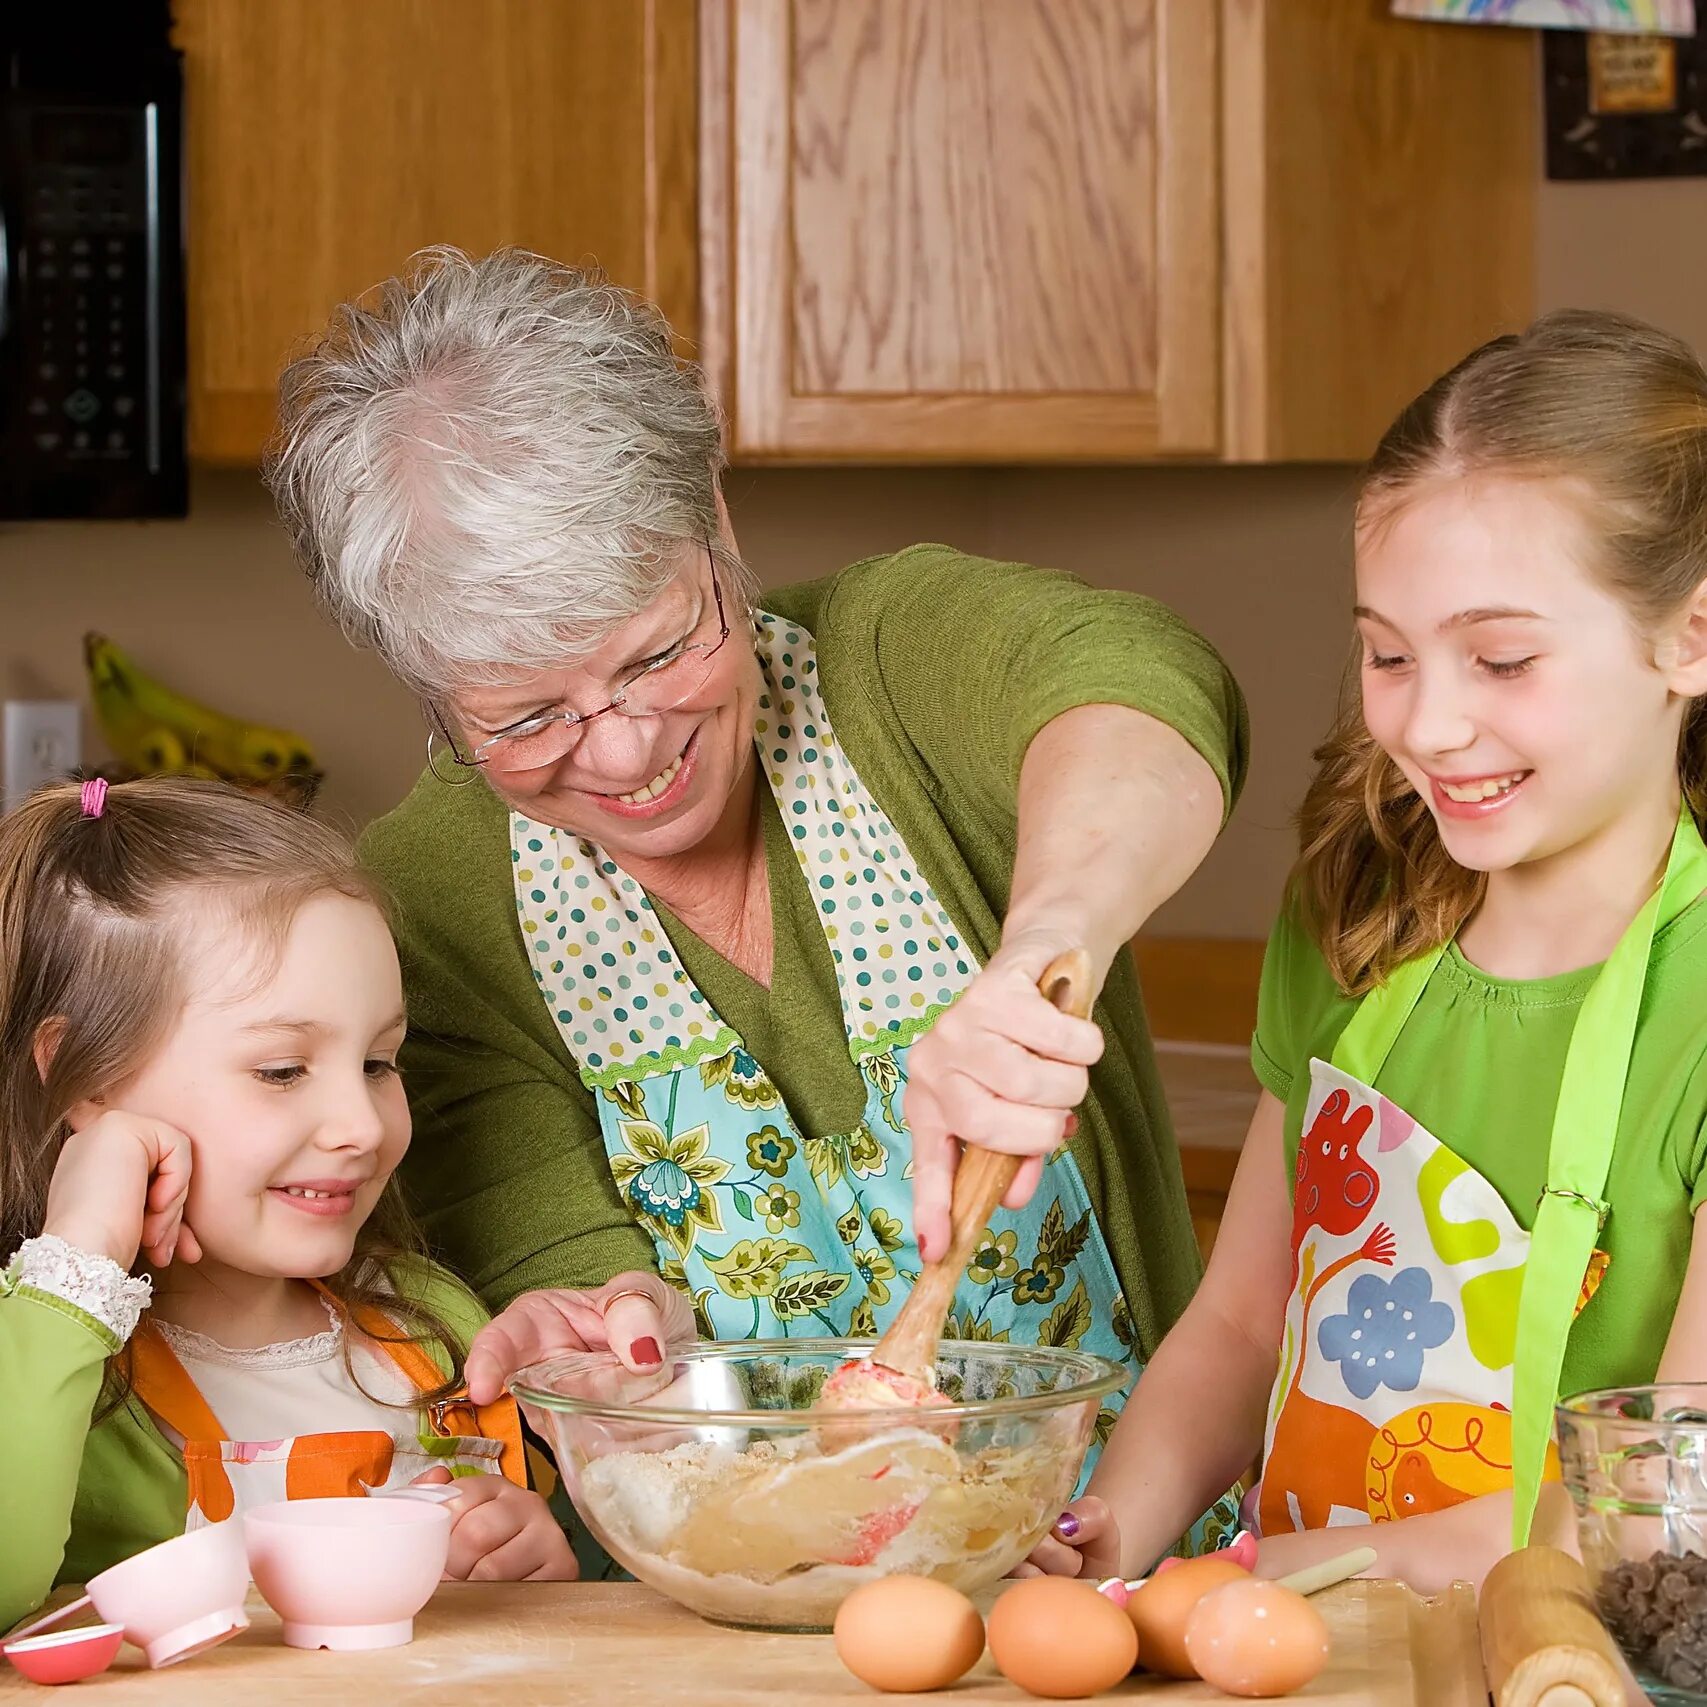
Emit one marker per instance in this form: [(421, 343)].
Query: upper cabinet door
[(329, 139), (962, 229)]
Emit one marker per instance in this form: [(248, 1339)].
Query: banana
[(157, 731)]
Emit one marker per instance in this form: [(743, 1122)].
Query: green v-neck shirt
[(937, 670)]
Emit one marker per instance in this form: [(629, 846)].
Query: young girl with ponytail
[(200, 1013), (1472, 1180)]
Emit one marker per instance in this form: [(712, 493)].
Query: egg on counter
[(907, 1635), (1256, 1639), (1056, 1637), (1160, 1608)]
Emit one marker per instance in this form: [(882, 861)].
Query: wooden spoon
[(902, 1366)]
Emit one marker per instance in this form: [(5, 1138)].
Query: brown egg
[(908, 1634), (1060, 1638), (1160, 1608), (1256, 1639)]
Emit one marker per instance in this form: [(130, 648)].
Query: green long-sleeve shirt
[(937, 670), (78, 1496)]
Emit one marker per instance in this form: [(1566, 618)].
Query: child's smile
[(319, 1197), (1476, 796)]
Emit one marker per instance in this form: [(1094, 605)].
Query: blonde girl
[(1472, 1179)]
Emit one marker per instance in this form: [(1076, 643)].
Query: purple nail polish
[(1067, 1526)]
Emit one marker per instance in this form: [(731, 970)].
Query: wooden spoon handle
[(984, 1176), (980, 1183)]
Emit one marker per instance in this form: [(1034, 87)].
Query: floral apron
[(768, 1230), (227, 1476), (1426, 1328)]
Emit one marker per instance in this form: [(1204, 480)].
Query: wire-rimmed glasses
[(649, 690)]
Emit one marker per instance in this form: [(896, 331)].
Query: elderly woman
[(722, 920)]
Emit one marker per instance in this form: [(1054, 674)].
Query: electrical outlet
[(43, 741)]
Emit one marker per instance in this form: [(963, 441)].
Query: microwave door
[(92, 340)]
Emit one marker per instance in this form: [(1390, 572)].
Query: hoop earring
[(460, 776)]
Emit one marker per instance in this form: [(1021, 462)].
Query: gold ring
[(628, 1292)]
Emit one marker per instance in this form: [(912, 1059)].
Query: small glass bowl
[(1635, 1462), (709, 1482)]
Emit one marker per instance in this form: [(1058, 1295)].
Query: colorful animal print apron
[(1426, 1327)]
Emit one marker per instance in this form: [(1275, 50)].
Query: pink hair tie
[(94, 797)]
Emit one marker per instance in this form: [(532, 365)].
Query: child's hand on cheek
[(502, 1533), (120, 1186)]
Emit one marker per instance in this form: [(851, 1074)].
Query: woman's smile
[(660, 795)]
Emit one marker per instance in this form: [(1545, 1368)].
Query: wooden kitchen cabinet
[(329, 139), (1379, 180), (941, 230), (894, 230), (1100, 230)]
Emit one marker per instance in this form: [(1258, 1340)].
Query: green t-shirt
[(937, 671), (1478, 1065)]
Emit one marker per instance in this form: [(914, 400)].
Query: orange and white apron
[(1426, 1328), (227, 1476)]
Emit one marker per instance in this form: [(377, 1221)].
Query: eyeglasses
[(649, 690)]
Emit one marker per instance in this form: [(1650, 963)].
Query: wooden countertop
[(621, 1645)]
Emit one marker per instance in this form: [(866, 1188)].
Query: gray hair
[(486, 465)]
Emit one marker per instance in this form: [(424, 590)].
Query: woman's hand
[(120, 1186), (1085, 1542), (636, 1316), (502, 1533), (1003, 1068)]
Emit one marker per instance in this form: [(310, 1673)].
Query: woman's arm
[(1195, 1423), (1116, 810)]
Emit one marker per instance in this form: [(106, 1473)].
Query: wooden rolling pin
[(1542, 1641)]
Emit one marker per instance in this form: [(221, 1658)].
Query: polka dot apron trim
[(622, 999)]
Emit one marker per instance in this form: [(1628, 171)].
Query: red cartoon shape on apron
[(1336, 1188)]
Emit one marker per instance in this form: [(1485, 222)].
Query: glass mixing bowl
[(1635, 1462), (708, 1480)]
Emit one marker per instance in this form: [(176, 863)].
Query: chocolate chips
[(1656, 1609)]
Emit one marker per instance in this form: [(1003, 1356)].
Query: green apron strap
[(1374, 1027), (1573, 1207)]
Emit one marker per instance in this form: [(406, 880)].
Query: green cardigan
[(79, 1498), (937, 671)]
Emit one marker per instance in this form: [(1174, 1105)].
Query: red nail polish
[(647, 1352)]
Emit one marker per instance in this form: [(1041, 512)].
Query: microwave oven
[(92, 382)]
